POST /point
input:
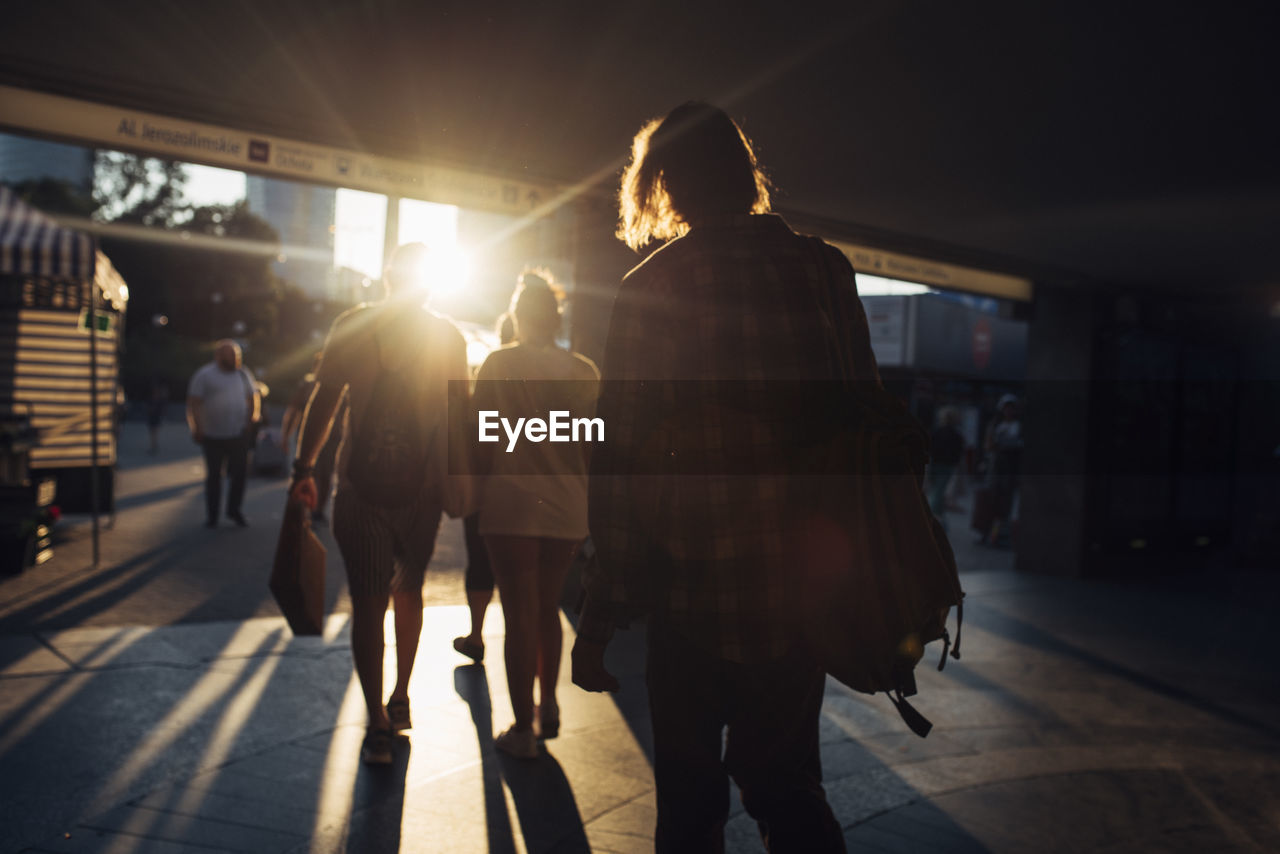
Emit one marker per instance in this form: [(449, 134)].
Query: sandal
[(376, 748), (522, 744), (398, 714), (548, 724), (473, 651)]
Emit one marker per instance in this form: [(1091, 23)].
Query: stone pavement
[(1083, 717), (144, 708)]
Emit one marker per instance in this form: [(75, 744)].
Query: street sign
[(102, 322), (107, 126)]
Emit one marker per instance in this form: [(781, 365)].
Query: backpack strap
[(915, 721), (955, 650)]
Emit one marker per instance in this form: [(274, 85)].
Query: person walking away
[(323, 469), (394, 360), (946, 450), (533, 507), (709, 339), (222, 408), (1004, 451), (478, 577)]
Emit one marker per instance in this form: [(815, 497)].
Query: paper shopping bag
[(297, 576)]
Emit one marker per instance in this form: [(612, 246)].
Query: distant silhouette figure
[(728, 302), (1003, 446), (394, 361), (533, 508), (222, 407), (479, 573)]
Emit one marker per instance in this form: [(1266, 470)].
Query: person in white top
[(533, 508), (222, 407)]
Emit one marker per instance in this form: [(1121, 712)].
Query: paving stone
[(608, 842), (289, 764), (24, 655), (847, 715), (598, 790), (469, 809), (86, 841), (125, 646), (847, 758), (1079, 812), (243, 786), (980, 739), (238, 810), (899, 747), (614, 748), (742, 835), (634, 818), (855, 799), (942, 834), (171, 827), (883, 842), (854, 844), (1053, 733)]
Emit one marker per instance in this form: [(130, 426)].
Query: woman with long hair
[(533, 509), (708, 339)]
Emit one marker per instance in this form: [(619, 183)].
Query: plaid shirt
[(710, 345)]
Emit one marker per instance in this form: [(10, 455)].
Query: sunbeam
[(211, 689), (336, 795)]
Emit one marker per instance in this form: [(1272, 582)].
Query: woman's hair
[(694, 163), (506, 328), (535, 305)]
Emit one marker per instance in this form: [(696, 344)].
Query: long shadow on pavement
[(864, 791), (1023, 632), (472, 685), (544, 800)]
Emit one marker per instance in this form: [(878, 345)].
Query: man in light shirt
[(222, 407)]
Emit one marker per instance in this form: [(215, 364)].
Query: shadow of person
[(376, 828), (545, 806), (544, 801), (472, 685)]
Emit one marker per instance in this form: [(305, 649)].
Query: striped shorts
[(385, 549)]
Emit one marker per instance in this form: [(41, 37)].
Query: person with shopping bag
[(404, 372)]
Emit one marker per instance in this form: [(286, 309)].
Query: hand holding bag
[(297, 575)]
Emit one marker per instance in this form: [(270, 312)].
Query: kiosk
[(62, 305)]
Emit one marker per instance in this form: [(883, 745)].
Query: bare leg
[(478, 601), (515, 565), (408, 605), (554, 559), (367, 644)]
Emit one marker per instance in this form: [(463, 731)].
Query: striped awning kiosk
[(61, 348)]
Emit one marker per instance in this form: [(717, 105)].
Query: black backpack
[(390, 451), (877, 575)]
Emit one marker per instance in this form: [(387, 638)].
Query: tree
[(203, 269), (56, 196), (134, 190)]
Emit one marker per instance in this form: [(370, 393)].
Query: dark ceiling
[(1113, 142)]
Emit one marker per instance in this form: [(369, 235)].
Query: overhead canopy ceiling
[(1103, 142)]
